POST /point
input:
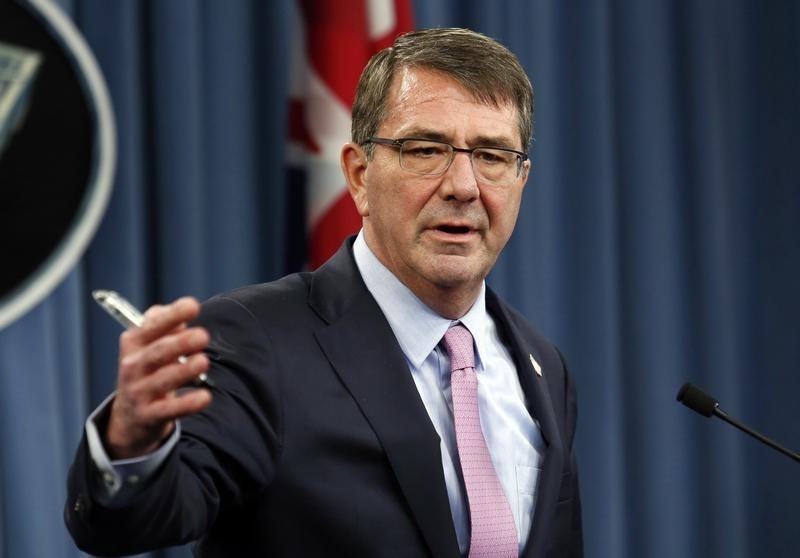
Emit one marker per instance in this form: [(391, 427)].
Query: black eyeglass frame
[(398, 144)]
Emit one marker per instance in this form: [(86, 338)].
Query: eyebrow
[(425, 133), (482, 141)]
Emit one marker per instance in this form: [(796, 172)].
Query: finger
[(163, 352), (154, 310), (158, 321), (164, 381), (163, 319), (175, 407)]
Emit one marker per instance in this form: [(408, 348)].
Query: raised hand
[(151, 371)]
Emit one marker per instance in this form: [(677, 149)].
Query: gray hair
[(485, 68)]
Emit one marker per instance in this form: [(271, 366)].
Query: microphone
[(701, 402)]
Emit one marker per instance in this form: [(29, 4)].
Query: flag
[(334, 41)]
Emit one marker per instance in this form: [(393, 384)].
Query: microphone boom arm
[(757, 435), (702, 403)]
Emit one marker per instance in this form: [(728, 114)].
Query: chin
[(455, 274)]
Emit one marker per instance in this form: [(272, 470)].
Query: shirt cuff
[(118, 481)]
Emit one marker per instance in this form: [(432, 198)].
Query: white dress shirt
[(512, 436)]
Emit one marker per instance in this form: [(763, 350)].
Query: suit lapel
[(361, 347), (539, 404)]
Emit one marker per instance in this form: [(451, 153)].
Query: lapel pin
[(536, 365)]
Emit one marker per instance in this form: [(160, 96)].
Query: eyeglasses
[(431, 157)]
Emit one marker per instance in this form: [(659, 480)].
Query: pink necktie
[(493, 532)]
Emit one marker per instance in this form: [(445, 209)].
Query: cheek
[(502, 208), (399, 202), (391, 213)]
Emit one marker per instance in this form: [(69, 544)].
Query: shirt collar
[(416, 326)]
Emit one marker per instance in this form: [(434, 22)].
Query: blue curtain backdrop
[(659, 242)]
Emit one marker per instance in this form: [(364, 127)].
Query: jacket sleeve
[(223, 455)]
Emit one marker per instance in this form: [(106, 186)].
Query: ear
[(526, 169), (354, 166)]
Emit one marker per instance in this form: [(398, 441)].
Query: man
[(343, 420)]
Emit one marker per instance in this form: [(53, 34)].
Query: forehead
[(421, 99)]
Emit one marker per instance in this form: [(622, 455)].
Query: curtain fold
[(657, 244)]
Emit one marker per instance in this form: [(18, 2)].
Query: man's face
[(440, 233)]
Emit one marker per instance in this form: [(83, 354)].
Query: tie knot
[(458, 343)]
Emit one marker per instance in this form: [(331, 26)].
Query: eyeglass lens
[(432, 157)]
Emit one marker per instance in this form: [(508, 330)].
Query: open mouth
[(452, 229)]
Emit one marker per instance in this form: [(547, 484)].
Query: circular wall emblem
[(57, 151)]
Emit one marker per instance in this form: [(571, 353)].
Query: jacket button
[(79, 506)]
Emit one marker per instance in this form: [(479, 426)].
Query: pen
[(128, 316)]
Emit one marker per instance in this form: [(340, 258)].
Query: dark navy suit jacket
[(317, 442)]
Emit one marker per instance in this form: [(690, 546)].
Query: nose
[(459, 180)]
